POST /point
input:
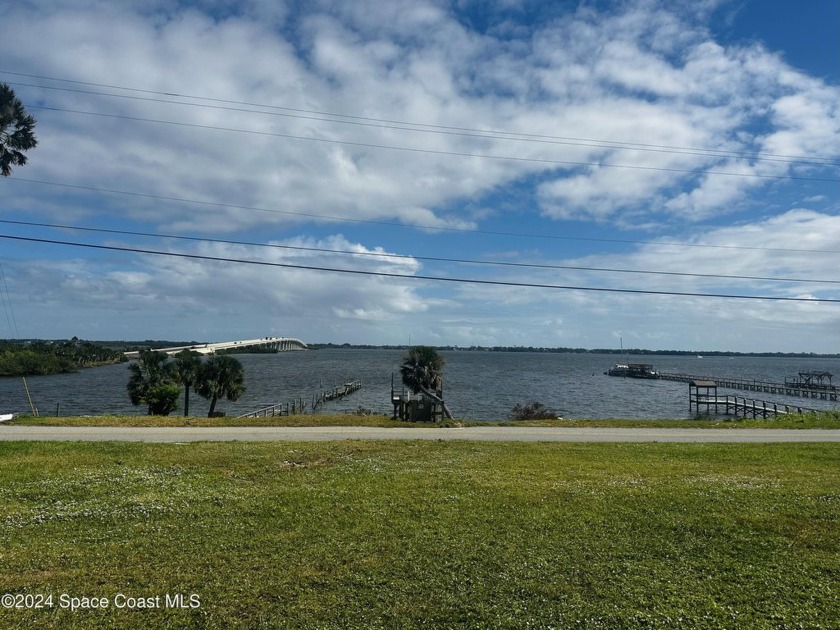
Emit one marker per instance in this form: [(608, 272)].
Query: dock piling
[(802, 388), (299, 405), (703, 393)]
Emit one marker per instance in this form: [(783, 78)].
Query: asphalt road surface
[(492, 434)]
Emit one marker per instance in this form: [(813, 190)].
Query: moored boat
[(619, 369), (633, 370)]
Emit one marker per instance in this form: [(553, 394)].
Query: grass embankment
[(827, 420), (303, 420), (431, 534)]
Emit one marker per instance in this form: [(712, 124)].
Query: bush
[(532, 411), (162, 399)]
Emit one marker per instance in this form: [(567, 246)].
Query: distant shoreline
[(124, 346), (562, 350)]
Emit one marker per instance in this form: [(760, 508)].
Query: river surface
[(477, 385)]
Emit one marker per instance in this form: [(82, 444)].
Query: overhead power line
[(414, 127), (418, 125), (383, 274), (393, 147), (380, 255), (5, 297), (404, 226)]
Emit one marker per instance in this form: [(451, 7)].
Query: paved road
[(494, 434)]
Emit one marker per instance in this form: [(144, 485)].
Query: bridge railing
[(282, 344)]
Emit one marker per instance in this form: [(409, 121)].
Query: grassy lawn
[(828, 420), (303, 420), (425, 534)]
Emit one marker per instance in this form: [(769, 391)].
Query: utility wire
[(10, 317), (325, 217), (516, 135), (391, 147), (5, 296), (454, 131), (383, 274), (379, 255)]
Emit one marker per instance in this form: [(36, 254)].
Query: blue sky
[(510, 173)]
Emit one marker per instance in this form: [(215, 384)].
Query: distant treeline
[(36, 357), (248, 350), (630, 351), (154, 344)]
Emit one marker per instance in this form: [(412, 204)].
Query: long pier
[(746, 407), (336, 393), (289, 408), (826, 392), (299, 405), (737, 405)]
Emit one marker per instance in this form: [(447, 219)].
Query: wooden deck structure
[(336, 393), (299, 405), (416, 407), (288, 408), (702, 394), (799, 388)]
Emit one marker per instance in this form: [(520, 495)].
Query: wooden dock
[(336, 393), (288, 408), (801, 390), (417, 407), (299, 405), (702, 396)]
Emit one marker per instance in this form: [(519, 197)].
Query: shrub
[(162, 399), (532, 411)]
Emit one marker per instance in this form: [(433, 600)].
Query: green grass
[(303, 420), (426, 534), (827, 420)]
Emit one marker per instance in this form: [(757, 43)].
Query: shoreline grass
[(425, 534), (826, 420)]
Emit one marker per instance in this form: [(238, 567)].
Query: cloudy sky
[(567, 173)]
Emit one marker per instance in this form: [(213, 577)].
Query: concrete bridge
[(280, 344)]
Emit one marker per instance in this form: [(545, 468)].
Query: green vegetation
[(187, 370), (827, 420), (248, 350), (220, 376), (154, 344), (568, 350), (534, 410), (152, 383), (425, 534), (155, 380), (17, 131), (303, 420), (422, 372), (18, 358)]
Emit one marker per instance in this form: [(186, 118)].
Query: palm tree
[(186, 371), (422, 371), (221, 376), (16, 131), (152, 383)]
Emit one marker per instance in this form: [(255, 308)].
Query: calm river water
[(477, 385)]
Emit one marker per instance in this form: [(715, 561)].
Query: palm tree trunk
[(446, 411), (212, 406), (186, 400)]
